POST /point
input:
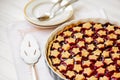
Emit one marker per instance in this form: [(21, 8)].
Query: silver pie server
[(30, 53)]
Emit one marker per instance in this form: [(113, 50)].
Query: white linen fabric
[(18, 29)]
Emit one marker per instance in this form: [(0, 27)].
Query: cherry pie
[(86, 51)]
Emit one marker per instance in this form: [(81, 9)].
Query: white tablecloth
[(18, 29)]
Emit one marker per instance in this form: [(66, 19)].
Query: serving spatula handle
[(34, 74)]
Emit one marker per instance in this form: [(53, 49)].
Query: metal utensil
[(57, 3), (30, 53), (48, 16), (51, 12)]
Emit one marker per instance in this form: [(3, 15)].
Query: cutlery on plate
[(54, 5), (30, 53), (51, 14)]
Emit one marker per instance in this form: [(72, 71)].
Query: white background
[(12, 10)]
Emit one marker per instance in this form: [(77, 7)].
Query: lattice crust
[(86, 51)]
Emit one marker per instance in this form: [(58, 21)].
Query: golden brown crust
[(49, 46), (84, 48)]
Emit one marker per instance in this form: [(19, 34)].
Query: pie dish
[(87, 49)]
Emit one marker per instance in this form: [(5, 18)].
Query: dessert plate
[(37, 8)]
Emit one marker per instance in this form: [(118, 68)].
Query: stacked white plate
[(36, 8)]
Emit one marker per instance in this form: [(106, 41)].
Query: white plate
[(37, 8)]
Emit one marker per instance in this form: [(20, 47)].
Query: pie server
[(30, 53)]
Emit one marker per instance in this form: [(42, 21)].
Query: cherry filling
[(102, 41)]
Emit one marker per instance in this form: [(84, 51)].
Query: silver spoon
[(30, 53), (44, 17), (50, 15)]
